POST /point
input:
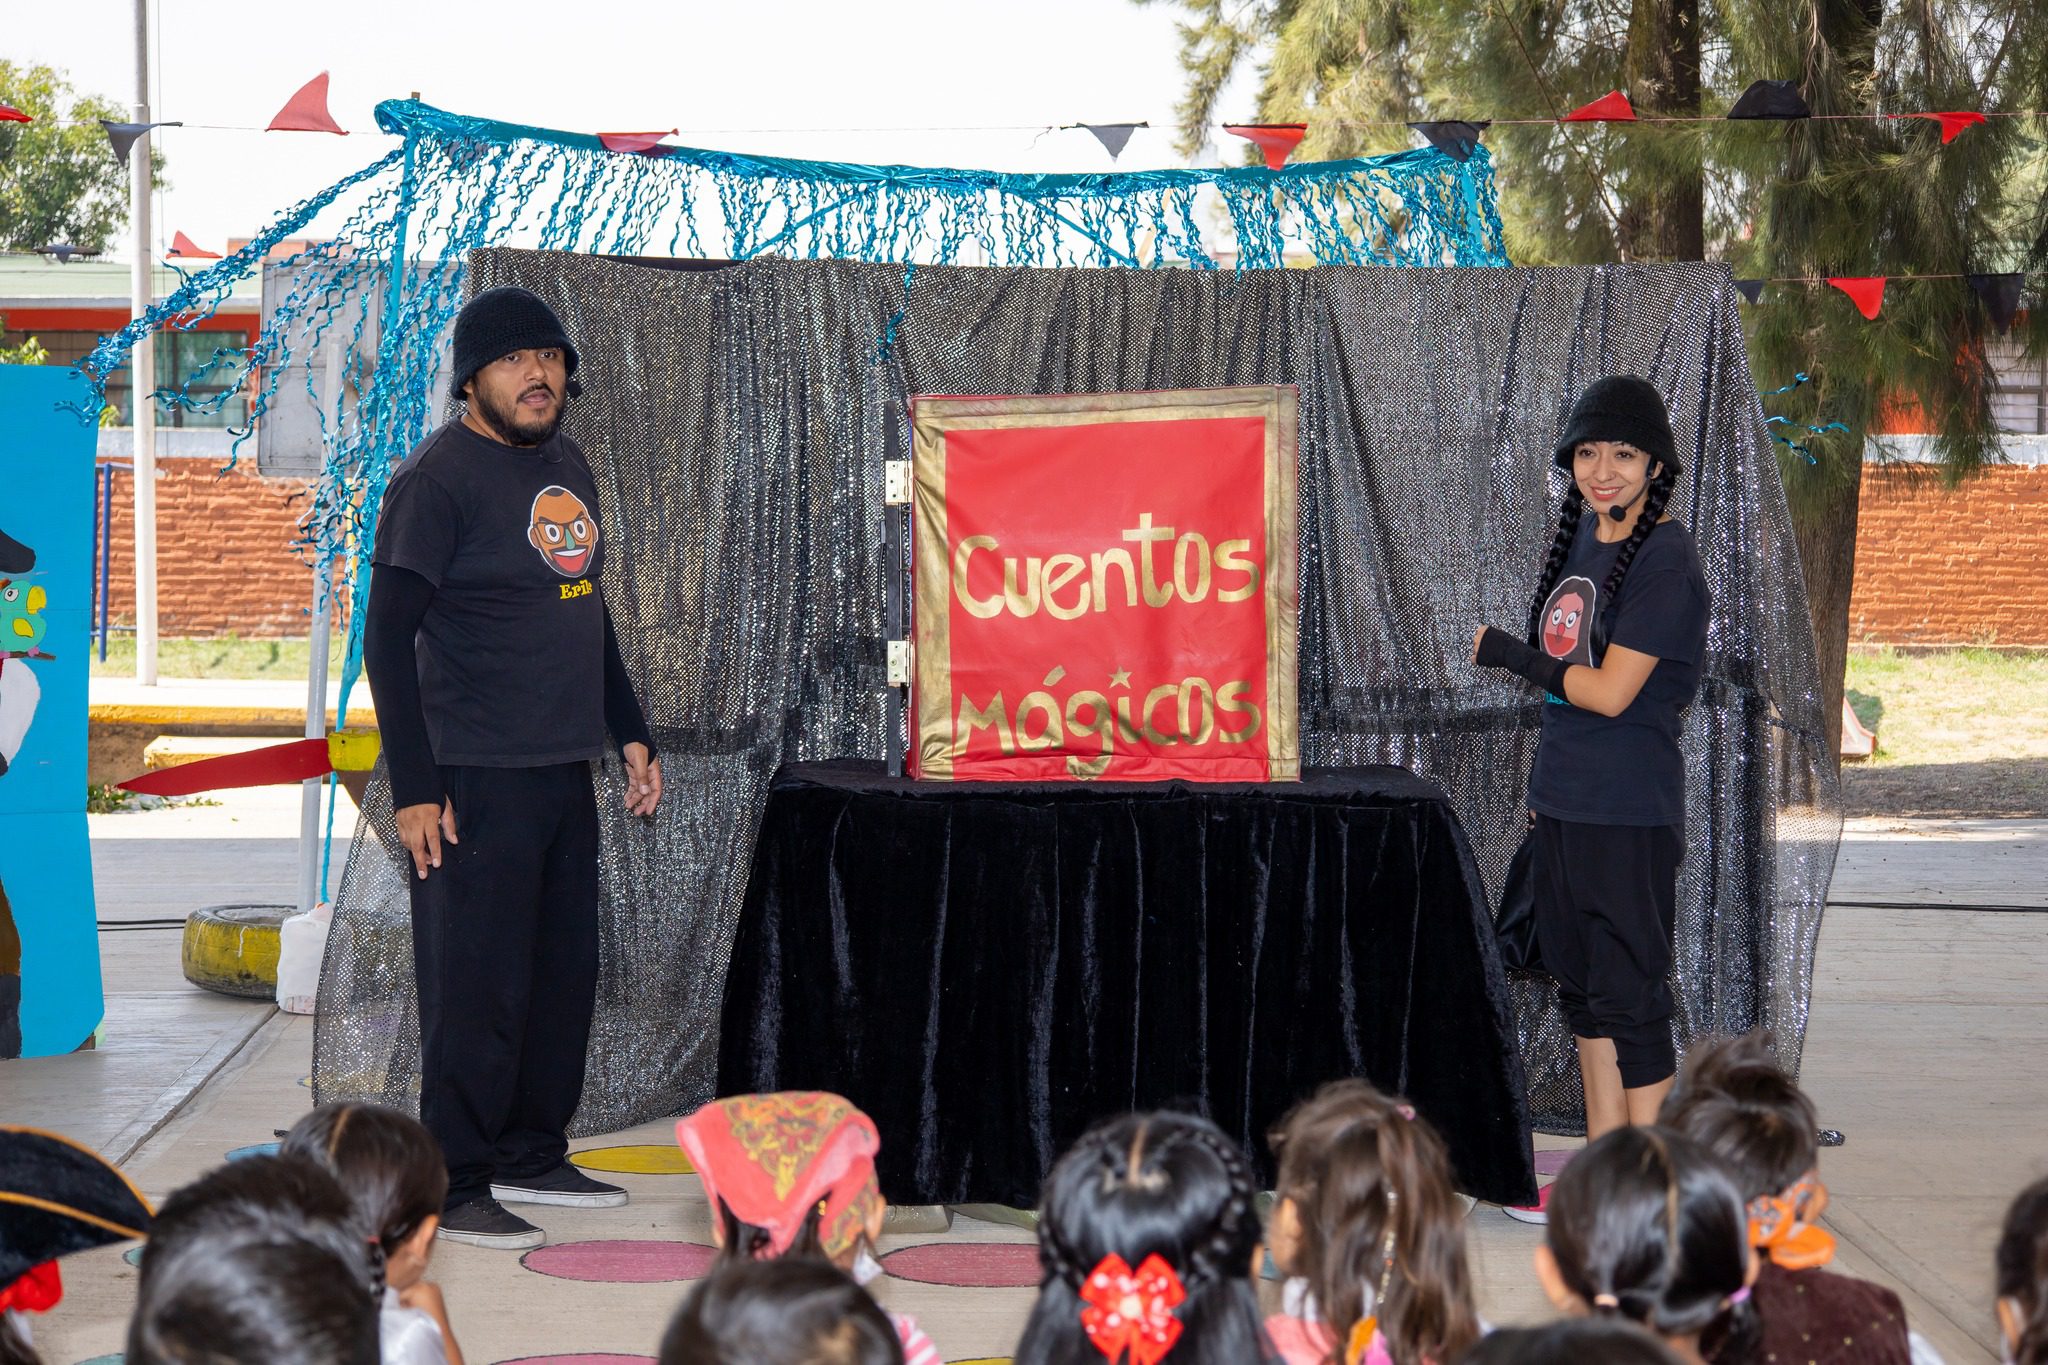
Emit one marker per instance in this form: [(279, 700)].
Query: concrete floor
[(1927, 1032)]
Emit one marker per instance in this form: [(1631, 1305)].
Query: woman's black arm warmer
[(621, 707), (398, 603), (1498, 649)]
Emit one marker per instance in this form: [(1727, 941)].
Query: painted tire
[(233, 949)]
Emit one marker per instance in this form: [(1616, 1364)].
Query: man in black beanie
[(497, 674)]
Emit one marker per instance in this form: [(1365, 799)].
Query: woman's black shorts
[(1606, 910)]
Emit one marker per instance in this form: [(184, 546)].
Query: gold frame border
[(932, 416)]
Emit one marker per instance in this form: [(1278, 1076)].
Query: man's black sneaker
[(565, 1187), (487, 1223)]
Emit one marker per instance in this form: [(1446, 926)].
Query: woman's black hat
[(1621, 407)]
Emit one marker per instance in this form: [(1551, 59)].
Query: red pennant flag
[(633, 142), (1953, 122), (10, 114), (184, 247), (306, 112), (1276, 140), (1609, 108), (1867, 292), (294, 760)]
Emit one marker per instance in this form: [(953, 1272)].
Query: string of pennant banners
[(1764, 100)]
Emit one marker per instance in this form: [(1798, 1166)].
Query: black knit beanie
[(1621, 407), (500, 321)]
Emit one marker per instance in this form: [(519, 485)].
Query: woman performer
[(1617, 634)]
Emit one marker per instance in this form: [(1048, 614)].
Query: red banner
[(1105, 587)]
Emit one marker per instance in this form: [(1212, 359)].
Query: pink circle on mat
[(967, 1265), (620, 1262), (596, 1359)]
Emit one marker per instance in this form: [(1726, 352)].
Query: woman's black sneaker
[(486, 1223), (564, 1187)]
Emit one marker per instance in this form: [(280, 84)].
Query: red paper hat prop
[(56, 1198), (1609, 108), (1276, 140), (772, 1159), (1128, 1314), (187, 249), (1866, 291), (10, 114), (306, 112)]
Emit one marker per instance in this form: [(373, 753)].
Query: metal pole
[(106, 553), (316, 682), (143, 368)]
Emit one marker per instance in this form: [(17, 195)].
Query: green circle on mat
[(634, 1159)]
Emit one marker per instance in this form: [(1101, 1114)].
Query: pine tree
[(1800, 199)]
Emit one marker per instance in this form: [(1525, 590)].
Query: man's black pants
[(504, 942)]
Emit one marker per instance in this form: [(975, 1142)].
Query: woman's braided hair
[(1161, 1184)]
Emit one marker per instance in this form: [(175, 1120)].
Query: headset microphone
[(1618, 512)]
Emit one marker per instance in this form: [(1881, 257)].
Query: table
[(988, 969)]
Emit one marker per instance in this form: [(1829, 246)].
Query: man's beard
[(515, 426)]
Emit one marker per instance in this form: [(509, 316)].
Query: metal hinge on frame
[(900, 660)]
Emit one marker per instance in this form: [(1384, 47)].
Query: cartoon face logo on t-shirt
[(563, 530), (1567, 623)]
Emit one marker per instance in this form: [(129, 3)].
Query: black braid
[(1222, 1254), (1653, 508), (1553, 564), (380, 1269)]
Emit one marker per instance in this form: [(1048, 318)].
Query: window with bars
[(2021, 404), (210, 362)]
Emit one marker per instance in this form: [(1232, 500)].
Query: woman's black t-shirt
[(1625, 769)]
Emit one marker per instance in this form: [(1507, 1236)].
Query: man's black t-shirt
[(1625, 769), (511, 653)]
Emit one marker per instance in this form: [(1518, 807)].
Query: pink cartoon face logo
[(563, 530), (1566, 623)]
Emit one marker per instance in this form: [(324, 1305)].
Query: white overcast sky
[(623, 65)]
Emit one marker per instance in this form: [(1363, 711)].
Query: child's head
[(257, 1295), (1574, 1341), (790, 1173), (1648, 1225), (2023, 1277), (258, 1261), (1365, 1199), (394, 1175), (1732, 1098), (795, 1310), (260, 1195), (1162, 1185)]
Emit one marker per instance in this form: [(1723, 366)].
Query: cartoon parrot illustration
[(21, 616)]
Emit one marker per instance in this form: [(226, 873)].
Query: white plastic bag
[(301, 944)]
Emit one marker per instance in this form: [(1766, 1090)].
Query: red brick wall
[(1962, 566), (224, 563)]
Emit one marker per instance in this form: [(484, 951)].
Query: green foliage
[(29, 352), (59, 182)]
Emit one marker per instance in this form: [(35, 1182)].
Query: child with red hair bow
[(793, 1174)]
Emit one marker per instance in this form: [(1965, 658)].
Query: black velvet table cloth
[(988, 969)]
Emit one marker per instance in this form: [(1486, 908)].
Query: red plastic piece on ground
[(292, 761), (1868, 292), (1276, 140), (185, 247), (306, 112), (1609, 108), (633, 142), (10, 114)]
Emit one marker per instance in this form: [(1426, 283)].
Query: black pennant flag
[(1771, 100), (2000, 295), (121, 136), (1113, 136), (1752, 290), (1455, 138)]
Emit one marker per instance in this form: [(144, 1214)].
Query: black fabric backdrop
[(735, 422), (989, 968)]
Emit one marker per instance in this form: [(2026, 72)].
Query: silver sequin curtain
[(735, 417)]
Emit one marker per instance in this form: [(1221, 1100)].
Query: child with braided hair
[(1647, 1226), (1617, 638), (1368, 1229), (2022, 1264), (1147, 1229)]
